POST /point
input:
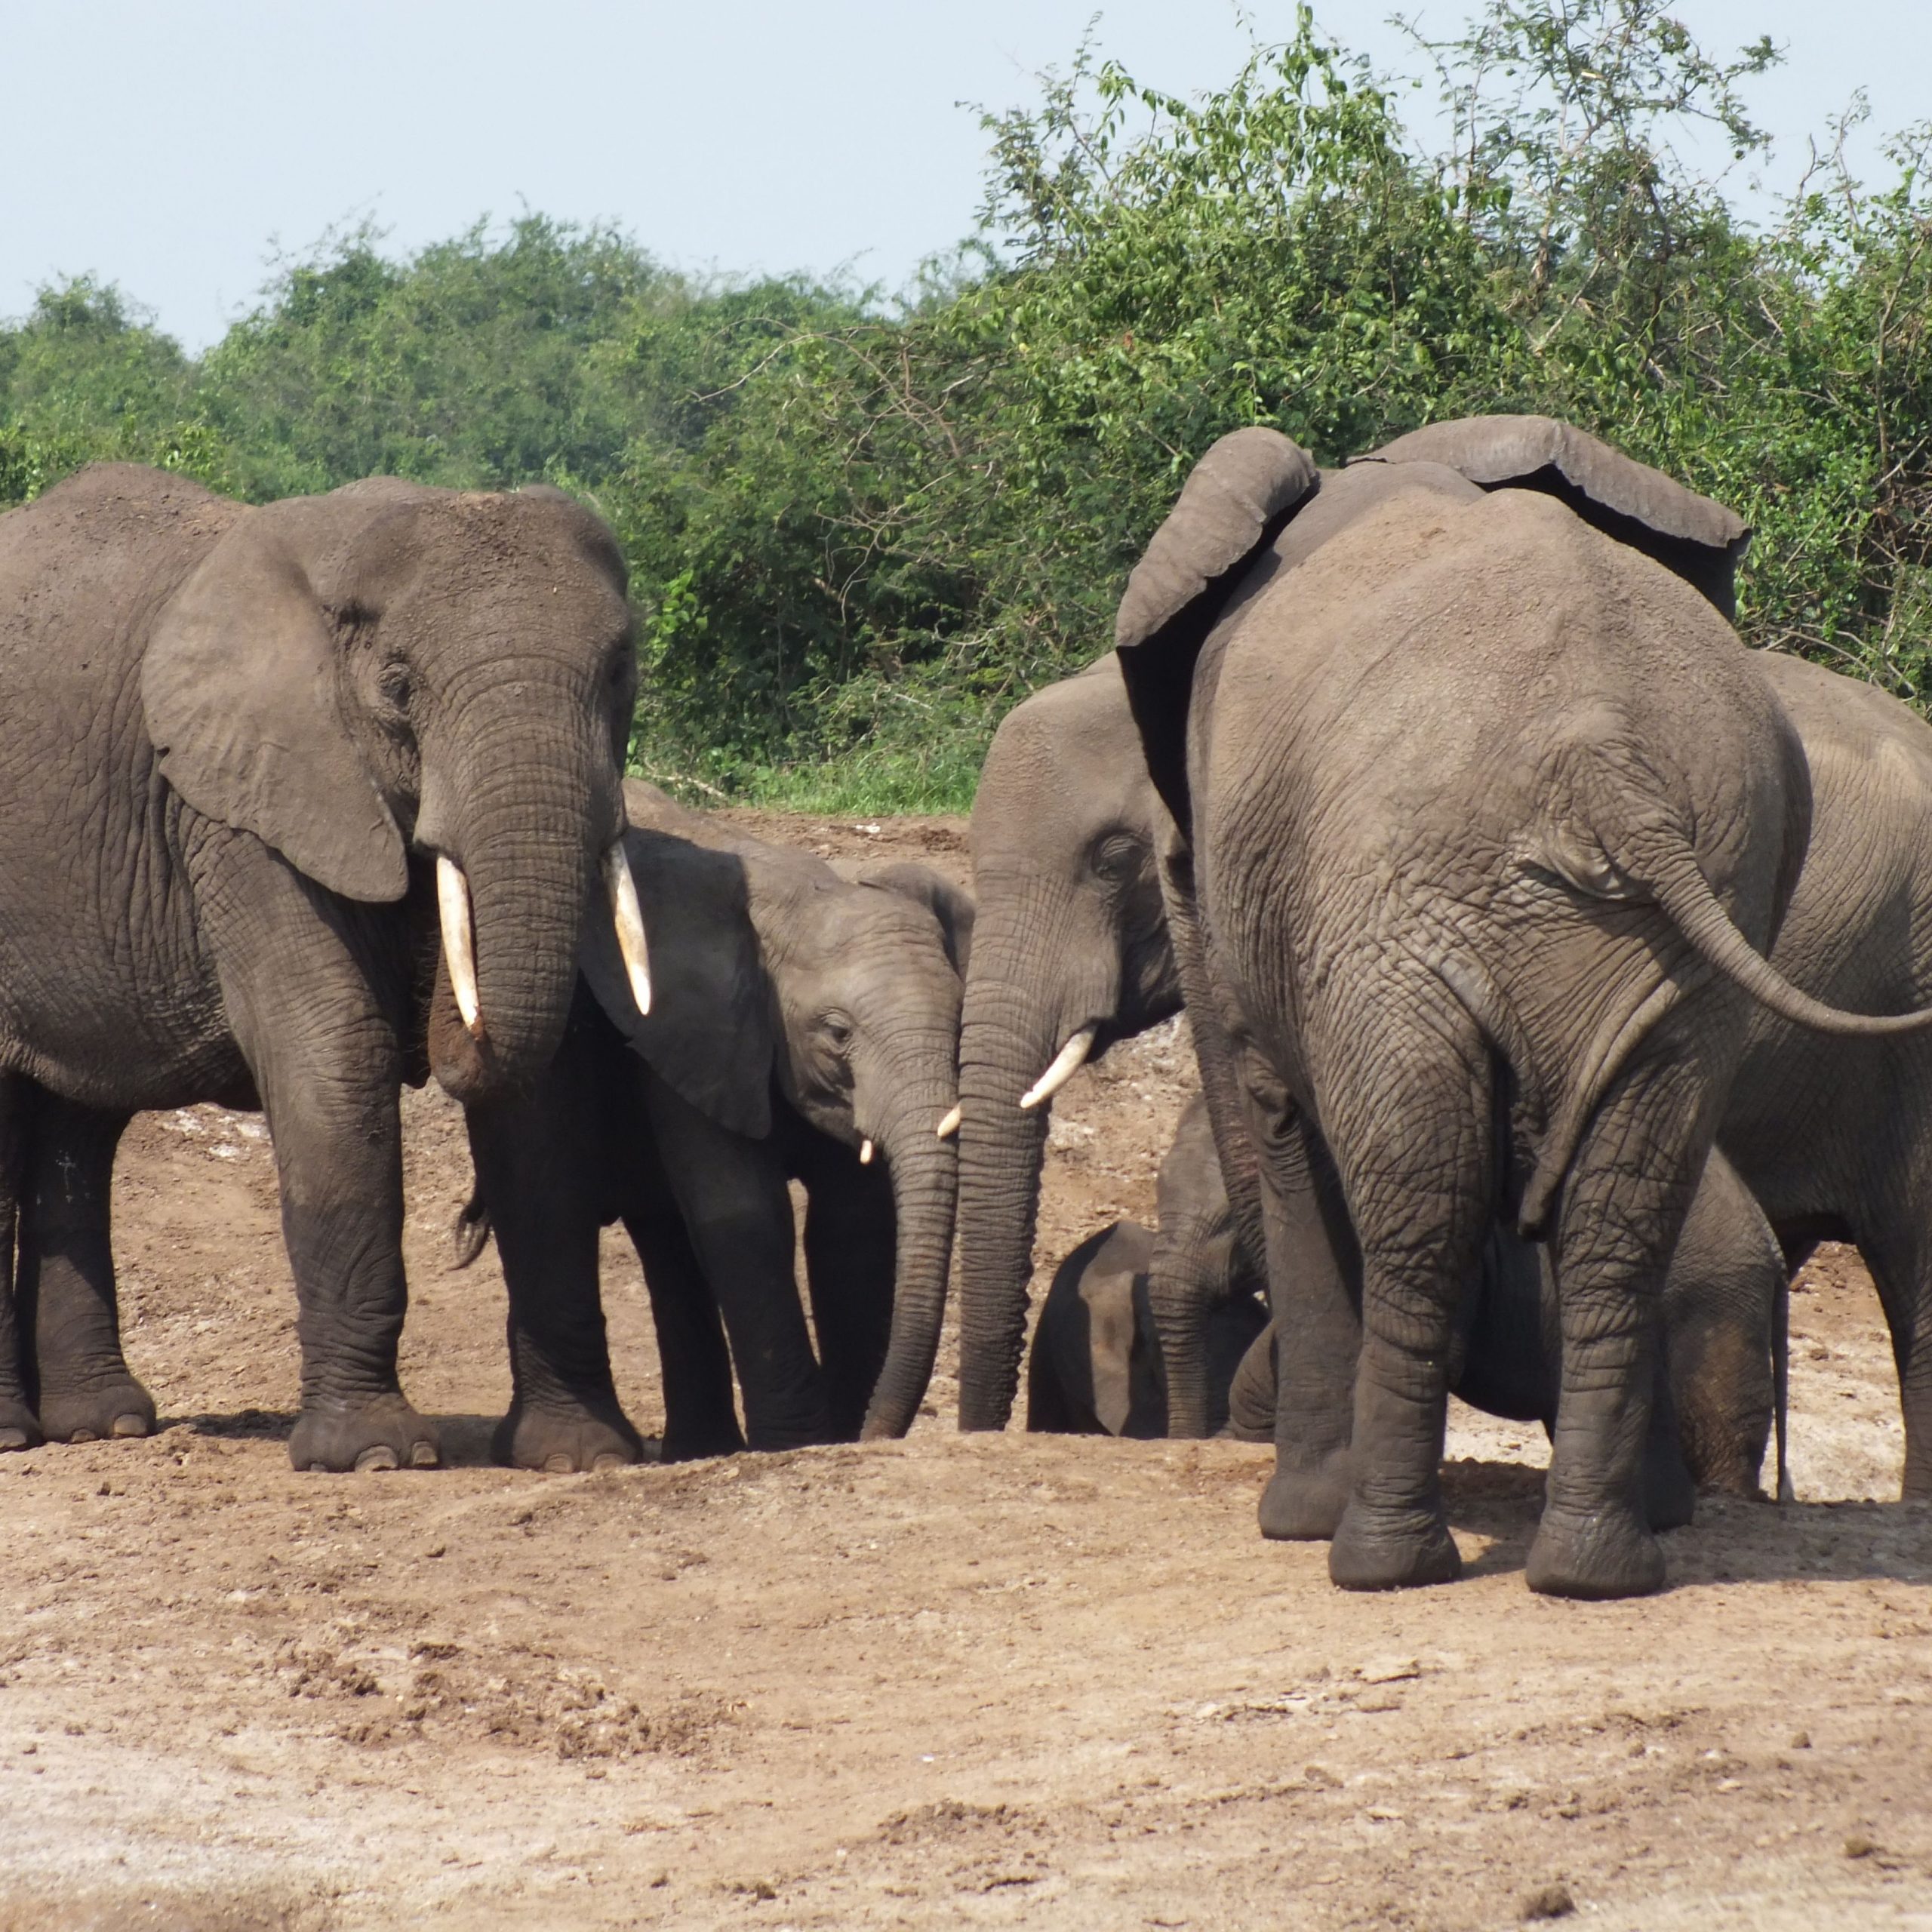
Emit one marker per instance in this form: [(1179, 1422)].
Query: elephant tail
[(1685, 895), (1781, 1390), (470, 1234)]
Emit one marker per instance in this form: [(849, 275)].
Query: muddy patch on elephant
[(984, 1680)]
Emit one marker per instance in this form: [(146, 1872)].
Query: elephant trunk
[(1006, 1039), (521, 846), (1185, 1285), (924, 1170)]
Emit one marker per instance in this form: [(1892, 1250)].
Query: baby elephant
[(1720, 1391), (1096, 1369), (1097, 1366)]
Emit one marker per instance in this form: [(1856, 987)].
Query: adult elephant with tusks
[(1070, 954), (257, 760), (1486, 821)]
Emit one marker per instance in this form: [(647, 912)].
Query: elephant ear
[(948, 903), (1699, 539), (709, 1034), (1235, 502), (238, 683)]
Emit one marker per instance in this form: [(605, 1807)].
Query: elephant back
[(1698, 538)]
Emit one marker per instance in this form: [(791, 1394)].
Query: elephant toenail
[(610, 1459), (379, 1456), (559, 1465), (318, 1469), (423, 1455), (127, 1425), (81, 1435), (12, 1438)]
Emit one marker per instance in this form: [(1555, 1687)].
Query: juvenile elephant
[(1486, 821), (255, 759), (798, 1021)]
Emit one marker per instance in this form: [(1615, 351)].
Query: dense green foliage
[(858, 530)]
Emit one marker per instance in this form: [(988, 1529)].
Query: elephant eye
[(1116, 858), (837, 1029), (393, 682)]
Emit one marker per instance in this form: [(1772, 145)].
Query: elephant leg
[(1670, 1490), (851, 1258), (1314, 1291), (20, 1427), (1723, 1299), (539, 1164), (1625, 1199), (700, 1412), (735, 1200), (84, 1389), (1898, 1251), (1415, 1145), (700, 1416)]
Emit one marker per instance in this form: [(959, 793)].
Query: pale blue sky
[(167, 146)]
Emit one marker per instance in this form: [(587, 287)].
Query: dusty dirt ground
[(949, 1681)]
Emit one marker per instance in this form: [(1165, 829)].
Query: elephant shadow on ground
[(465, 1438), (1734, 1541)]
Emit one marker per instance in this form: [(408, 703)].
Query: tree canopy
[(859, 529)]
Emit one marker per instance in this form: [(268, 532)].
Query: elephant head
[(1070, 952), (771, 973), (392, 671)]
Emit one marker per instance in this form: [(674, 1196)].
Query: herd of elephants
[(1556, 966)]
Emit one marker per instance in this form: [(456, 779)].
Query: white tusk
[(865, 1153), (1067, 1064), (628, 915), (949, 1127), (459, 946)]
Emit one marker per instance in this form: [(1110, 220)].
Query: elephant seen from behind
[(1486, 821)]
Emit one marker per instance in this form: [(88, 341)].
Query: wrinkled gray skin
[(1201, 1264), (1113, 1333), (794, 1014), (1834, 1136), (237, 739), (1095, 1366), (1488, 821), (1070, 933), (1720, 1392)]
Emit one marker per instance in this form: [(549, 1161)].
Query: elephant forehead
[(483, 550)]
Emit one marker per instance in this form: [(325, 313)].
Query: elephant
[(1097, 1366), (1128, 1308), (798, 1021), (1834, 1136), (1071, 953), (1485, 822), (279, 780)]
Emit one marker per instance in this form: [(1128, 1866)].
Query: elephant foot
[(1392, 1550), (1306, 1505), (1605, 1552), (1670, 1496), (118, 1407), (385, 1433), (20, 1427), (565, 1441)]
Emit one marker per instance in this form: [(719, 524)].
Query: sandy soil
[(949, 1681)]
